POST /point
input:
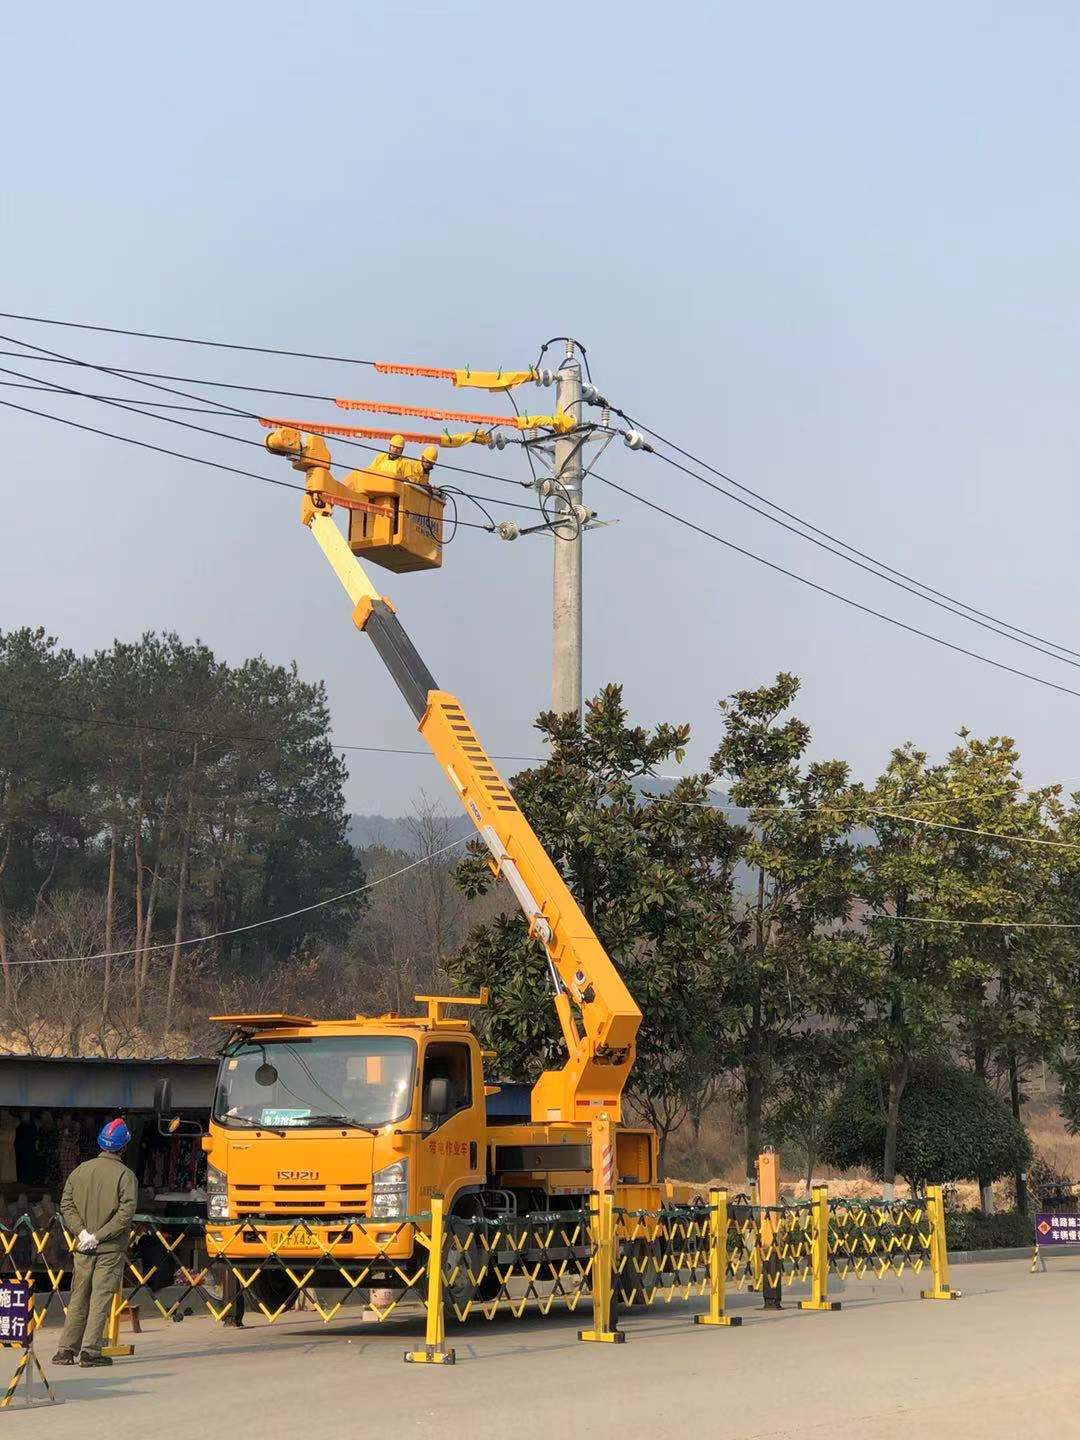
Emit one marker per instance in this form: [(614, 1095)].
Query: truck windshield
[(309, 1082)]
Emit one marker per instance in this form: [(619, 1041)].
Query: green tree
[(37, 820), (910, 984), (952, 1127), (803, 1094), (795, 962), (188, 795), (652, 873), (951, 859), (1008, 976)]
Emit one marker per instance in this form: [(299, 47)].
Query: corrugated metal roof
[(11, 1055)]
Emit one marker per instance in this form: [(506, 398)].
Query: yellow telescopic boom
[(598, 1016)]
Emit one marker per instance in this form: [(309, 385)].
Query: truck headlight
[(217, 1194), (390, 1191)]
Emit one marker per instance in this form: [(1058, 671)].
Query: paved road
[(1001, 1362)]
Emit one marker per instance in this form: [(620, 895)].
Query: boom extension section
[(597, 1014)]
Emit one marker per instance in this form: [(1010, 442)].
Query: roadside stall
[(52, 1108)]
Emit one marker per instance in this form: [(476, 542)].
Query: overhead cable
[(827, 535), (53, 387), (181, 454), (244, 929), (836, 594), (187, 340), (225, 409), (89, 719), (994, 924), (879, 574)]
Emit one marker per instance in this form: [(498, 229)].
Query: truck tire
[(473, 1271)]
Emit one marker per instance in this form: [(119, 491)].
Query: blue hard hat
[(114, 1136)]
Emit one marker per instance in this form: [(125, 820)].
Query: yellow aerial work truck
[(356, 1123)]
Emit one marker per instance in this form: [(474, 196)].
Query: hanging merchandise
[(68, 1146), (8, 1125), (27, 1160)]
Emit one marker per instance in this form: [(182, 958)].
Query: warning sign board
[(16, 1313), (1052, 1229)]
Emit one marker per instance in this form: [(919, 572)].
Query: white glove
[(87, 1242)]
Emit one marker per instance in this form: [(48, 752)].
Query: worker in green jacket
[(98, 1206)]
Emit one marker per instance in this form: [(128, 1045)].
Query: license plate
[(298, 1239)]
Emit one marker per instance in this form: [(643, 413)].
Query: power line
[(254, 925), (217, 465), (827, 535), (87, 719), (972, 830), (147, 445), (1002, 924), (225, 410), (870, 570), (47, 387), (183, 379), (856, 812), (836, 594), (187, 340), (955, 799), (213, 464)]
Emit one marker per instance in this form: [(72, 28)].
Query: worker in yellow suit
[(418, 472), (391, 462)]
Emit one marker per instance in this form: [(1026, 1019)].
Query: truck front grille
[(298, 1199)]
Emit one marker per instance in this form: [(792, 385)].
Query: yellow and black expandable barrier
[(718, 1263), (820, 1253), (939, 1247), (661, 1255), (879, 1238), (435, 1351), (514, 1263), (768, 1246), (453, 1267), (605, 1326)]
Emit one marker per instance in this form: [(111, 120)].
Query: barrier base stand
[(819, 1305), (948, 1293), (26, 1398), (717, 1319), (603, 1337), (430, 1355), (117, 1351)]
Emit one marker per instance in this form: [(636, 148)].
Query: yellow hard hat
[(430, 453), (397, 442)]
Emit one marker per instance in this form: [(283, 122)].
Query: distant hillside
[(395, 832)]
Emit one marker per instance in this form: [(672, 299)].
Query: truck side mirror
[(437, 1102), (168, 1123)]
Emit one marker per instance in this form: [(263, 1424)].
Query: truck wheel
[(471, 1266)]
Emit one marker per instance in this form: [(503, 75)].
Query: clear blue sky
[(833, 248)]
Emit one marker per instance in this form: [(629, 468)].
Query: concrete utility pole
[(566, 595)]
